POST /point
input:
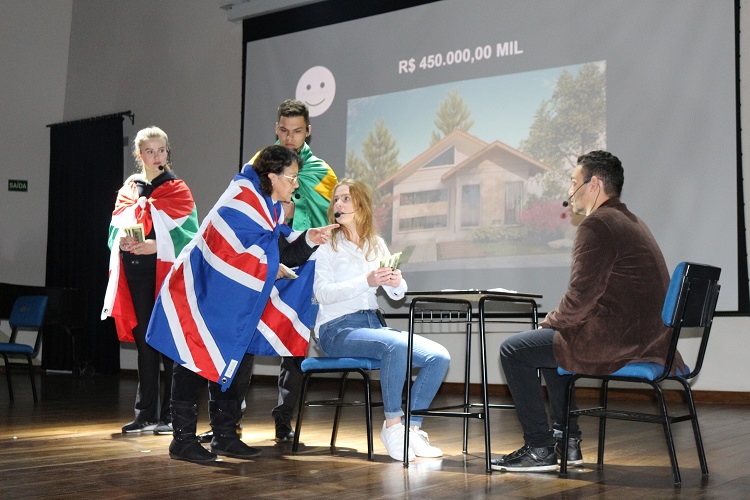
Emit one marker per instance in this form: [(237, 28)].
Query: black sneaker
[(527, 459), (284, 432), (575, 457), (206, 437), (164, 429), (138, 426)]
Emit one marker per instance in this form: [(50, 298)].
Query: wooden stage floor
[(69, 445)]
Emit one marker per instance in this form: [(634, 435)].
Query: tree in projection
[(570, 123), (379, 161), (452, 115)]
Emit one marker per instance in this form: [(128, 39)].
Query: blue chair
[(320, 365), (27, 314), (690, 303)]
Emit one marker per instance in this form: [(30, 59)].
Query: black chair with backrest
[(28, 314), (328, 365), (689, 305)]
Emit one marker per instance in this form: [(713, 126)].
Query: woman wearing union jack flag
[(232, 293)]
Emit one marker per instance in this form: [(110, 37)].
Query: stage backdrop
[(466, 117)]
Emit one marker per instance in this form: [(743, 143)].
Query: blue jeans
[(361, 334), (521, 356)]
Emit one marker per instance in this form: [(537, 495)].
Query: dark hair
[(273, 160), (605, 166), (292, 107)]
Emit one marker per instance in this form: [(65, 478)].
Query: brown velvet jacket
[(611, 312)]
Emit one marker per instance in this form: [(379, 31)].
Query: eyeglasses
[(293, 178)]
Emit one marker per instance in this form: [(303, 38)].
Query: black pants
[(521, 356), (147, 407), (289, 383), (186, 384), (290, 386)]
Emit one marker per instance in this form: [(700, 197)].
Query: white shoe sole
[(574, 462), (436, 454), (148, 428), (400, 458), (536, 468)]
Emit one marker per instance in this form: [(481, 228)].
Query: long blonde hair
[(362, 206)]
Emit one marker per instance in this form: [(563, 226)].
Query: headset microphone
[(567, 202), (336, 215), (169, 160)]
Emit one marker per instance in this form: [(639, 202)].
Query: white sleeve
[(326, 287), (396, 292)]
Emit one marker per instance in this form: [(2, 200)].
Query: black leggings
[(147, 407)]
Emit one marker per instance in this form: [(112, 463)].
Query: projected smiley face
[(317, 89)]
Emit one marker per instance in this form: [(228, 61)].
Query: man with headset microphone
[(609, 316), (567, 202)]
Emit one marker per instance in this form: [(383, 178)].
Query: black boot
[(225, 416), (208, 436), (185, 445)]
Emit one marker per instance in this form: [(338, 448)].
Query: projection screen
[(466, 117)]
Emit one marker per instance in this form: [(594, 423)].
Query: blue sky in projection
[(502, 108)]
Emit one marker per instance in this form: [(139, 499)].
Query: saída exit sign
[(18, 185)]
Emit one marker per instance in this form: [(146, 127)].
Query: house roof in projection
[(501, 154), (463, 150)]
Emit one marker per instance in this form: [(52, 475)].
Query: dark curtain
[(86, 170)]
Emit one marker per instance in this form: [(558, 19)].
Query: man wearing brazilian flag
[(316, 178), (309, 209)]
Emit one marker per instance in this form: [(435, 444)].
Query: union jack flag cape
[(221, 298), (170, 210)]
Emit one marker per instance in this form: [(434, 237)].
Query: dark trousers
[(147, 407), (521, 356), (290, 386), (186, 384), (289, 382)]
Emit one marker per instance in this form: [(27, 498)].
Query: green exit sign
[(17, 185)]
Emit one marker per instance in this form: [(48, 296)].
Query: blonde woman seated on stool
[(347, 275)]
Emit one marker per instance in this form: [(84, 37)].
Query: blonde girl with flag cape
[(153, 219)]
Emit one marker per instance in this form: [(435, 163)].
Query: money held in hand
[(135, 231), (288, 274), (391, 261)]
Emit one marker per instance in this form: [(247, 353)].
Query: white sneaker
[(393, 440), (420, 444)]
